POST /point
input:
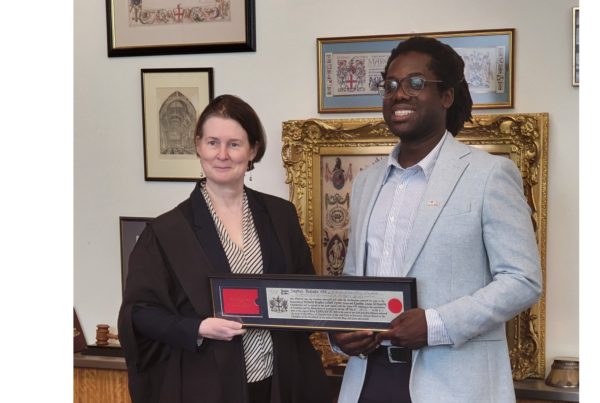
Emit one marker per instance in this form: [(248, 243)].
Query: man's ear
[(448, 98)]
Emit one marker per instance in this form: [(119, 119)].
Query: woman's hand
[(220, 329)]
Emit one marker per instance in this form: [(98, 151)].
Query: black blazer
[(168, 293)]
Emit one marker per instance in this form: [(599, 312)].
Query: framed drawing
[(172, 27), (322, 157), (575, 46), (130, 229), (349, 68), (172, 101)]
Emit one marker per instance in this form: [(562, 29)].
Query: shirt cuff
[(334, 347), (200, 340), (437, 334)]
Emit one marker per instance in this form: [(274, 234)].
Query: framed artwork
[(172, 27), (172, 101), (575, 46), (130, 229), (322, 158), (349, 68)]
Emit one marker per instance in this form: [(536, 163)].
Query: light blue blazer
[(476, 261)]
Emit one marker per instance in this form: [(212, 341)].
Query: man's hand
[(220, 329), (355, 343), (409, 329)]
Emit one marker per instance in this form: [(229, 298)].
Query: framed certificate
[(314, 303)]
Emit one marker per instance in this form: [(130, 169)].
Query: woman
[(175, 350)]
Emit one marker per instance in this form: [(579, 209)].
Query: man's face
[(415, 118)]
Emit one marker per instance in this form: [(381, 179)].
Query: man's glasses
[(412, 86)]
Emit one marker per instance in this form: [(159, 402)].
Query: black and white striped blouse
[(258, 345)]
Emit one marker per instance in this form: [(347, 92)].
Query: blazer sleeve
[(514, 261), (149, 321), (161, 325)]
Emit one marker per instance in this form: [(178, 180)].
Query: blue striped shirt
[(391, 224)]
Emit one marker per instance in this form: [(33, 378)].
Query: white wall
[(279, 81)]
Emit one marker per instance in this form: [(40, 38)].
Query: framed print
[(575, 46), (130, 229), (322, 158), (311, 303), (349, 68), (172, 101), (173, 27)]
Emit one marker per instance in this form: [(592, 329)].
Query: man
[(455, 218)]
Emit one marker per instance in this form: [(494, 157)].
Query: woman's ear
[(254, 150), (197, 142)]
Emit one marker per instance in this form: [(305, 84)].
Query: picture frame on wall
[(172, 101), (349, 68), (172, 27), (130, 229), (575, 46)]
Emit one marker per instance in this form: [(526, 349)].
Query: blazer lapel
[(366, 202), (206, 232), (261, 223), (446, 173), (281, 231)]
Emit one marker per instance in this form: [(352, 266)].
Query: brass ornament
[(521, 137), (321, 343)]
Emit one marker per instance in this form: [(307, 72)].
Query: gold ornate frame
[(521, 137)]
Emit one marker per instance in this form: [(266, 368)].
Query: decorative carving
[(328, 357), (521, 137)]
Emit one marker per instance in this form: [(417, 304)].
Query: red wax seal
[(394, 305)]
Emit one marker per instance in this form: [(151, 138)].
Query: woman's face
[(224, 151)]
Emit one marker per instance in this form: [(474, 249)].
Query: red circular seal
[(394, 305)]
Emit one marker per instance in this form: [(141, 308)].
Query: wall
[(279, 81)]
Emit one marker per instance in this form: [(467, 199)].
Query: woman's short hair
[(234, 108)]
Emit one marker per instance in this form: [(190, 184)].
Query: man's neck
[(412, 152)]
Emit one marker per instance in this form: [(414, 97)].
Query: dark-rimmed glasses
[(412, 86)]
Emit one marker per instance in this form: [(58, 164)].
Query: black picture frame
[(181, 167), (125, 49), (130, 228), (575, 46), (310, 303)]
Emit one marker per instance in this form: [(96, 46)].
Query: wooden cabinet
[(99, 379), (92, 385), (104, 380)]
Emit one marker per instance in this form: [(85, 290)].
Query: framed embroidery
[(349, 68), (171, 27)]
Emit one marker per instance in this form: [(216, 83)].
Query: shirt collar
[(426, 164)]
